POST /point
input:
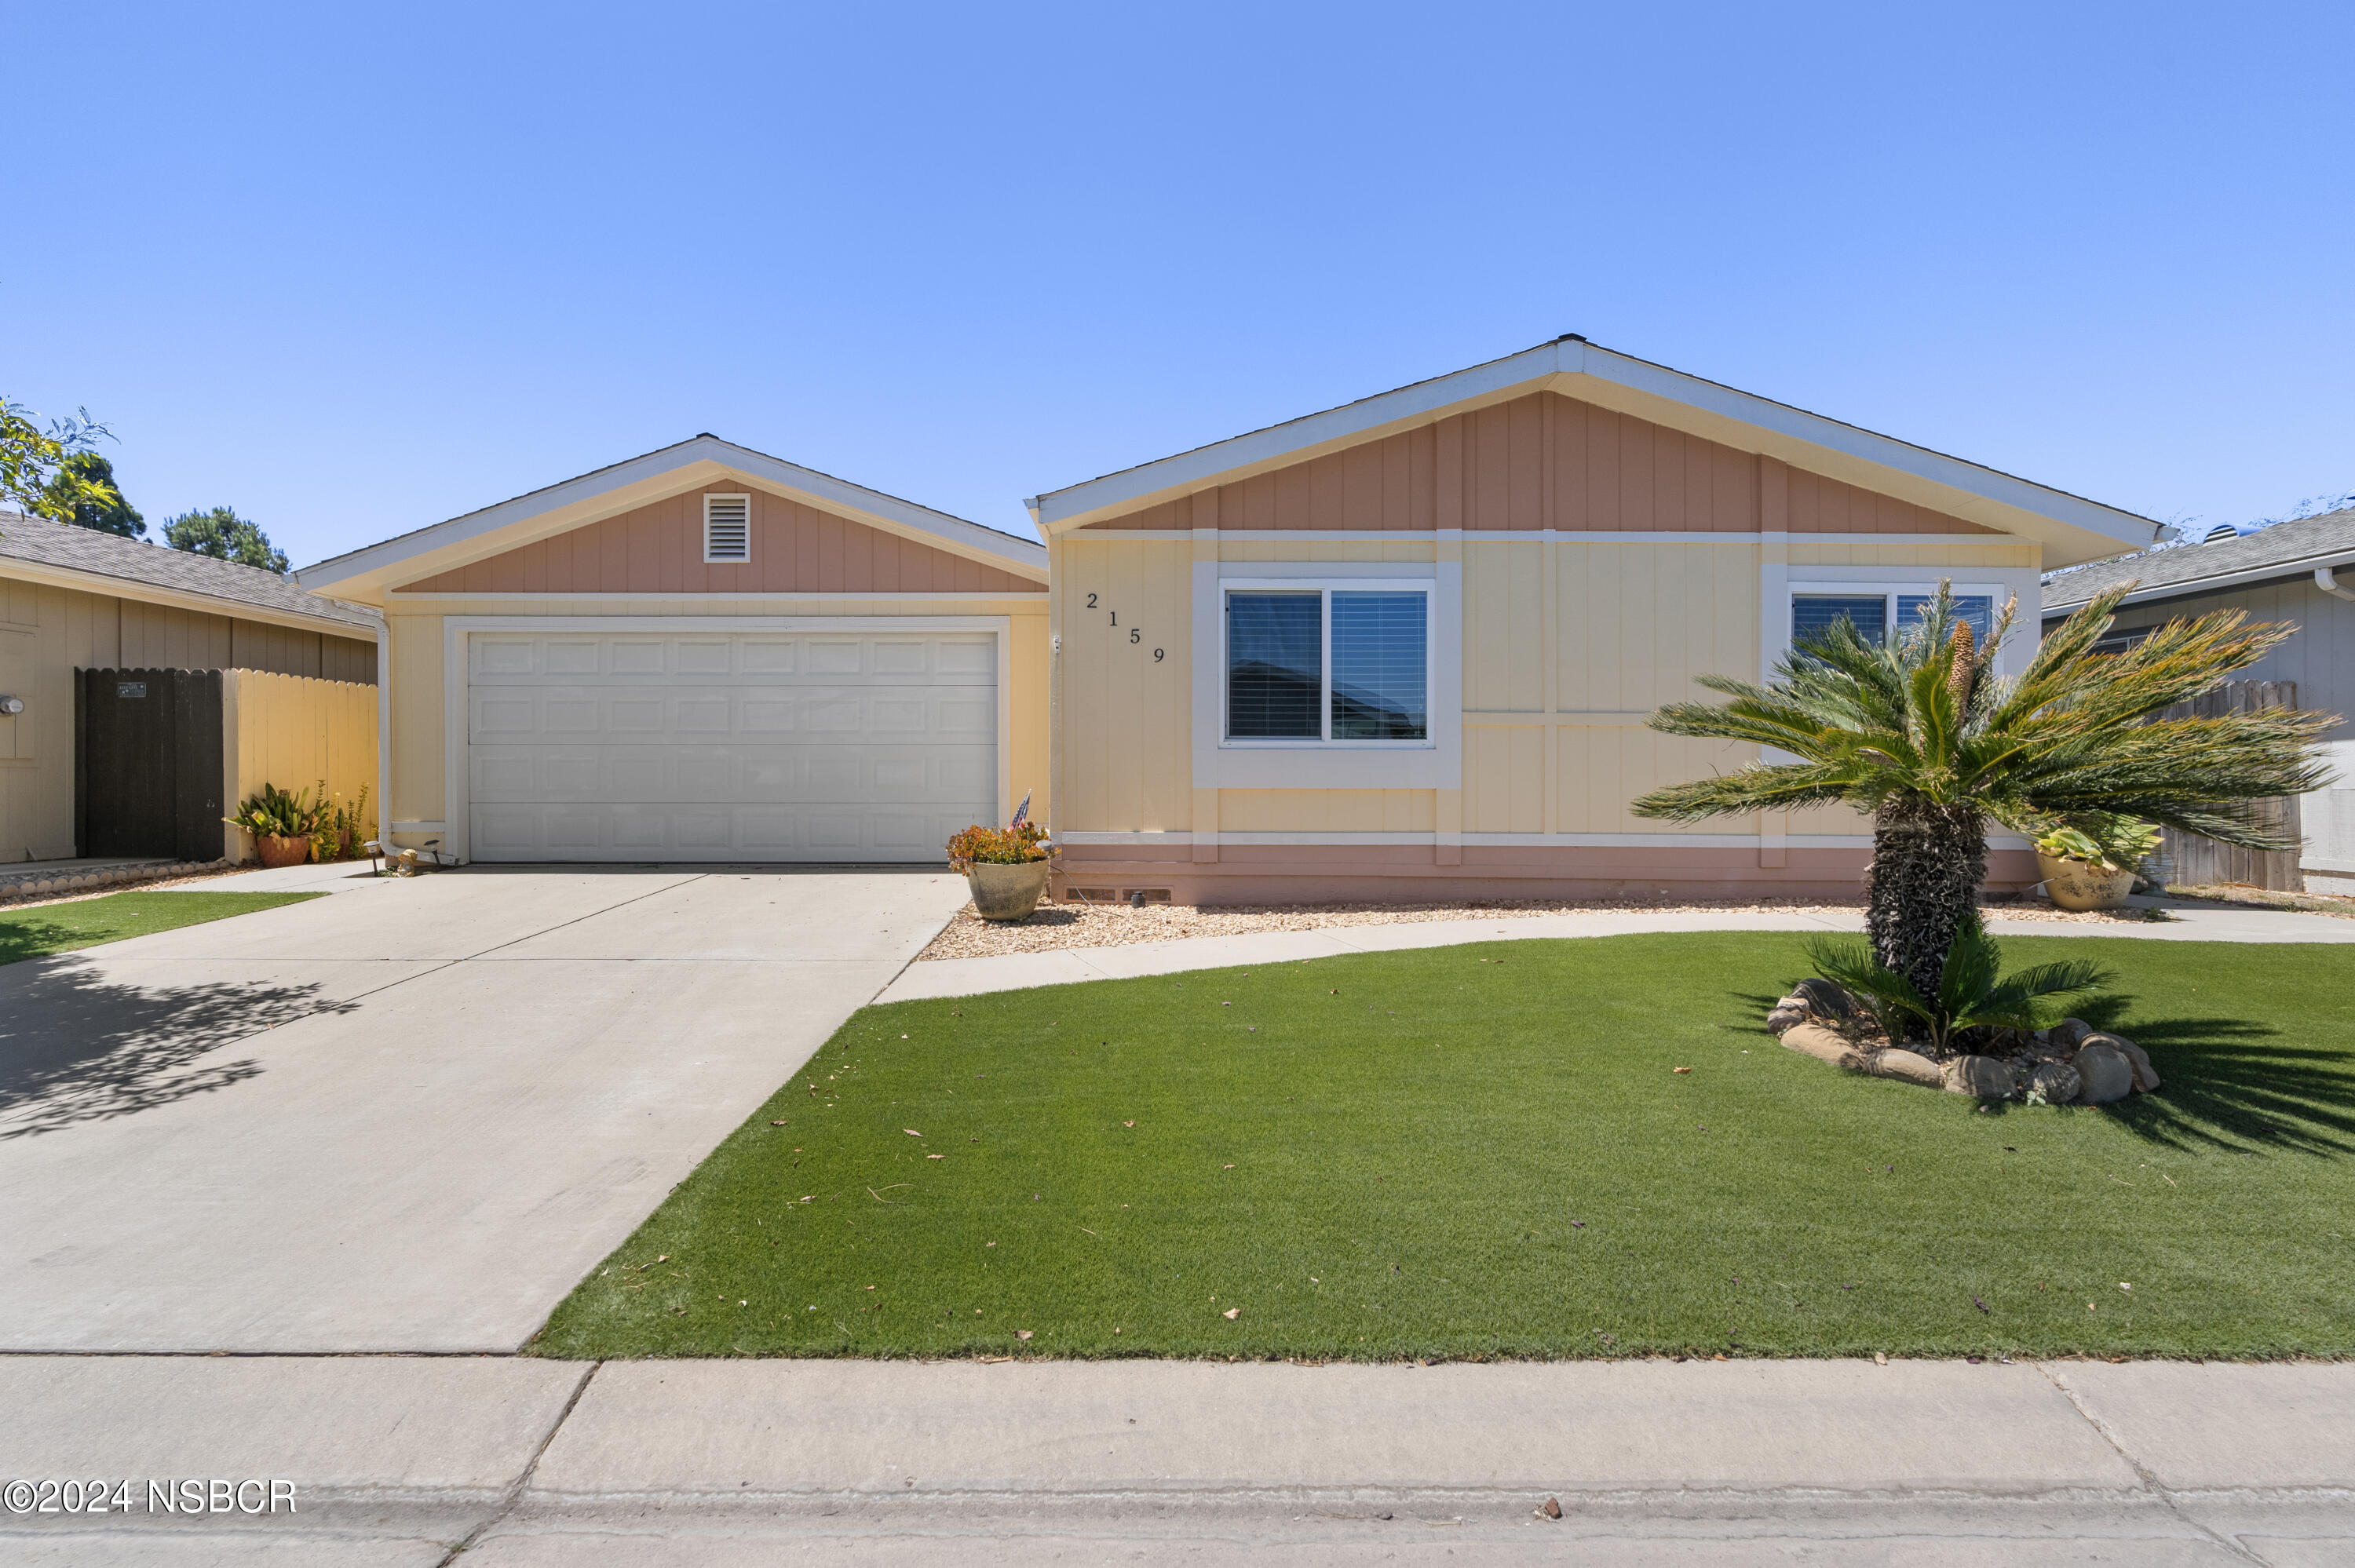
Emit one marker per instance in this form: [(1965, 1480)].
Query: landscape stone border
[(50, 880), (2072, 1063)]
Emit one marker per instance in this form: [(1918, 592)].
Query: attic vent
[(726, 528), (2220, 533)]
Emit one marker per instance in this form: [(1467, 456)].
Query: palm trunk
[(1927, 863)]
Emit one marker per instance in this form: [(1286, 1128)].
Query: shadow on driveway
[(76, 1047)]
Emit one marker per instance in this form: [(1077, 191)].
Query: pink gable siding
[(1540, 462), (659, 548)]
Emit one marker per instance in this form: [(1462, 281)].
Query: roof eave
[(50, 575), (2071, 528), (370, 573)]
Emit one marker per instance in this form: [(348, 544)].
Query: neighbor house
[(1405, 648), (2287, 573), (76, 599), (706, 653)]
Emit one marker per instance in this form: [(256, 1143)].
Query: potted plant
[(282, 824), (1006, 868), (2089, 865)]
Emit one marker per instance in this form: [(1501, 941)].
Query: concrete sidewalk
[(399, 1460), (2186, 922)]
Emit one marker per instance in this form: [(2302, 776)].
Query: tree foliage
[(35, 472), (1919, 730), (225, 536), (84, 493)]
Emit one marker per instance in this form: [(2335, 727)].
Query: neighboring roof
[(2285, 549), (621, 486), (2070, 527), (130, 568)]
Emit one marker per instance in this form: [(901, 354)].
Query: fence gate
[(147, 763), (2190, 861)]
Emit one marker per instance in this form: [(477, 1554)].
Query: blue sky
[(355, 271)]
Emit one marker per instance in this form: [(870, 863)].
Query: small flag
[(1021, 813)]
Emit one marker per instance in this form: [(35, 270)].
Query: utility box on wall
[(162, 755)]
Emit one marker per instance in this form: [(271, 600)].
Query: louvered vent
[(726, 528)]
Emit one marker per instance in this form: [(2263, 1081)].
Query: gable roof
[(2285, 549), (84, 558), (370, 572), (2070, 527)]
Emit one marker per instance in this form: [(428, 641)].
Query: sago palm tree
[(1917, 730)]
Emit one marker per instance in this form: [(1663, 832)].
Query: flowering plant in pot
[(2089, 863), (1005, 867), (282, 824)]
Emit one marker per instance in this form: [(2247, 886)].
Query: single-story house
[(706, 653), (1405, 648), (73, 598), (2286, 573)]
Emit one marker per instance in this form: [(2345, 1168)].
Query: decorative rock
[(1824, 999), (1824, 1045), (2069, 1033), (2107, 1074), (1988, 1077), (1910, 1065), (1786, 1013), (2054, 1083), (2146, 1076)]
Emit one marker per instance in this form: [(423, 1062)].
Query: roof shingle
[(2186, 566), (39, 540)]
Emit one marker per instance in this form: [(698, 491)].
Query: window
[(726, 529), (1316, 665), (1872, 611)]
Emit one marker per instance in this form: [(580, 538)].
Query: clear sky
[(356, 270)]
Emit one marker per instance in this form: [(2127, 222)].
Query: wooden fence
[(2187, 860)]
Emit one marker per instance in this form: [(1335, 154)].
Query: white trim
[(1654, 392), (456, 629), (105, 585), (743, 498), (411, 596), (671, 470), (385, 827), (420, 827), (1528, 537)]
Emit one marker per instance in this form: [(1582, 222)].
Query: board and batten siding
[(47, 632), (1569, 644)]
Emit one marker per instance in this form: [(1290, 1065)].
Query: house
[(2286, 573), (706, 653), (74, 599), (1405, 648)]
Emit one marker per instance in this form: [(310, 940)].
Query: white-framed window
[(1874, 608), (1340, 664), (727, 530)]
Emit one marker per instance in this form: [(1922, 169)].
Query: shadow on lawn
[(75, 1048), (2224, 1082)]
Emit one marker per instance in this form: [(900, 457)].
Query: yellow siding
[(1600, 770), (416, 783), (47, 633), (1333, 550), (1504, 623), (1504, 778), (295, 732), (1326, 810), (1639, 621), (1939, 558), (1125, 717)]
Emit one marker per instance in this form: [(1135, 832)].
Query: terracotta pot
[(276, 851), (1008, 892), (2081, 885)]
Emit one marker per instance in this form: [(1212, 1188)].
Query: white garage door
[(742, 747)]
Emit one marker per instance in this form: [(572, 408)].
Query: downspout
[(2327, 579), (1054, 673), (384, 730)]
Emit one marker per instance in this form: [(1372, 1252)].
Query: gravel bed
[(1054, 926)]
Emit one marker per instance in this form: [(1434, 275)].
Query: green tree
[(1917, 730), (225, 536), (34, 475), (67, 497)]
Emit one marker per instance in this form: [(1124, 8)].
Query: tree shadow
[(76, 1047)]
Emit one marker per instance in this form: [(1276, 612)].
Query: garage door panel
[(640, 745)]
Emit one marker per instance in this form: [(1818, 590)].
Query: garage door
[(742, 747)]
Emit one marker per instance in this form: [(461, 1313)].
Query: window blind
[(1275, 666), (1379, 649)]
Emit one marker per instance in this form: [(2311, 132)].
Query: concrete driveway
[(410, 1115)]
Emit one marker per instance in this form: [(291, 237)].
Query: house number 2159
[(1136, 637)]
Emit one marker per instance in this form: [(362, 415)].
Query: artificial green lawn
[(62, 927), (1485, 1151)]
